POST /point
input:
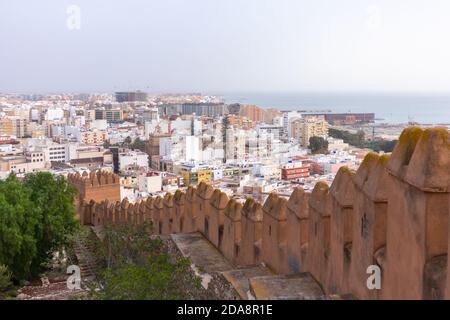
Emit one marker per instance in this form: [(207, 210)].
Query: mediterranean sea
[(389, 108)]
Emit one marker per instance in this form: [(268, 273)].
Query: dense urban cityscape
[(160, 143), (228, 158)]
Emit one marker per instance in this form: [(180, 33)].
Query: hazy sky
[(225, 45)]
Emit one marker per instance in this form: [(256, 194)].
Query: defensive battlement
[(422, 159), (94, 178), (96, 185), (391, 213), (252, 210)]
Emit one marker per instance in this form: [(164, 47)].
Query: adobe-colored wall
[(180, 208), (204, 193), (252, 228), (96, 186), (369, 222), (168, 214), (319, 233), (392, 213), (297, 231), (218, 203), (417, 215), (274, 237), (190, 222), (232, 232), (158, 218), (342, 194)]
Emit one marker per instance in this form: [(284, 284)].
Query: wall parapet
[(392, 213)]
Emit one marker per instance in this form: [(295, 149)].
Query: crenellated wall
[(371, 183), (391, 213), (96, 185), (252, 228), (298, 231)]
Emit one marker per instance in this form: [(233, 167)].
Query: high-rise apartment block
[(304, 128)]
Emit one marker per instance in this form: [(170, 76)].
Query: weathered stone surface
[(342, 194), (286, 287), (274, 237), (319, 232), (231, 244), (252, 228), (239, 279), (369, 222), (218, 203), (418, 208), (392, 213), (297, 231)]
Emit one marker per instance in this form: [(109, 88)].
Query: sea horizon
[(389, 107)]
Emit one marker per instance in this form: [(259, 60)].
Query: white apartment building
[(235, 144), (288, 118), (51, 151), (133, 160), (54, 114), (149, 182), (305, 128), (100, 124), (179, 148)]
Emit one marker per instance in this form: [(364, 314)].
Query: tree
[(354, 139), (36, 218), (5, 278), (53, 199), (358, 140), (18, 221), (138, 266), (127, 141), (159, 278), (318, 145), (138, 144)]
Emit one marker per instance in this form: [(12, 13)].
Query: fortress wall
[(97, 186), (342, 193), (168, 214), (297, 231), (274, 236), (251, 237), (204, 194), (319, 233), (393, 212), (369, 223), (179, 219), (190, 222), (158, 215), (417, 218), (231, 244), (110, 212), (149, 209), (218, 203), (447, 266), (130, 214), (142, 211)]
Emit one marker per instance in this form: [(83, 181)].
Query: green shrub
[(5, 278)]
